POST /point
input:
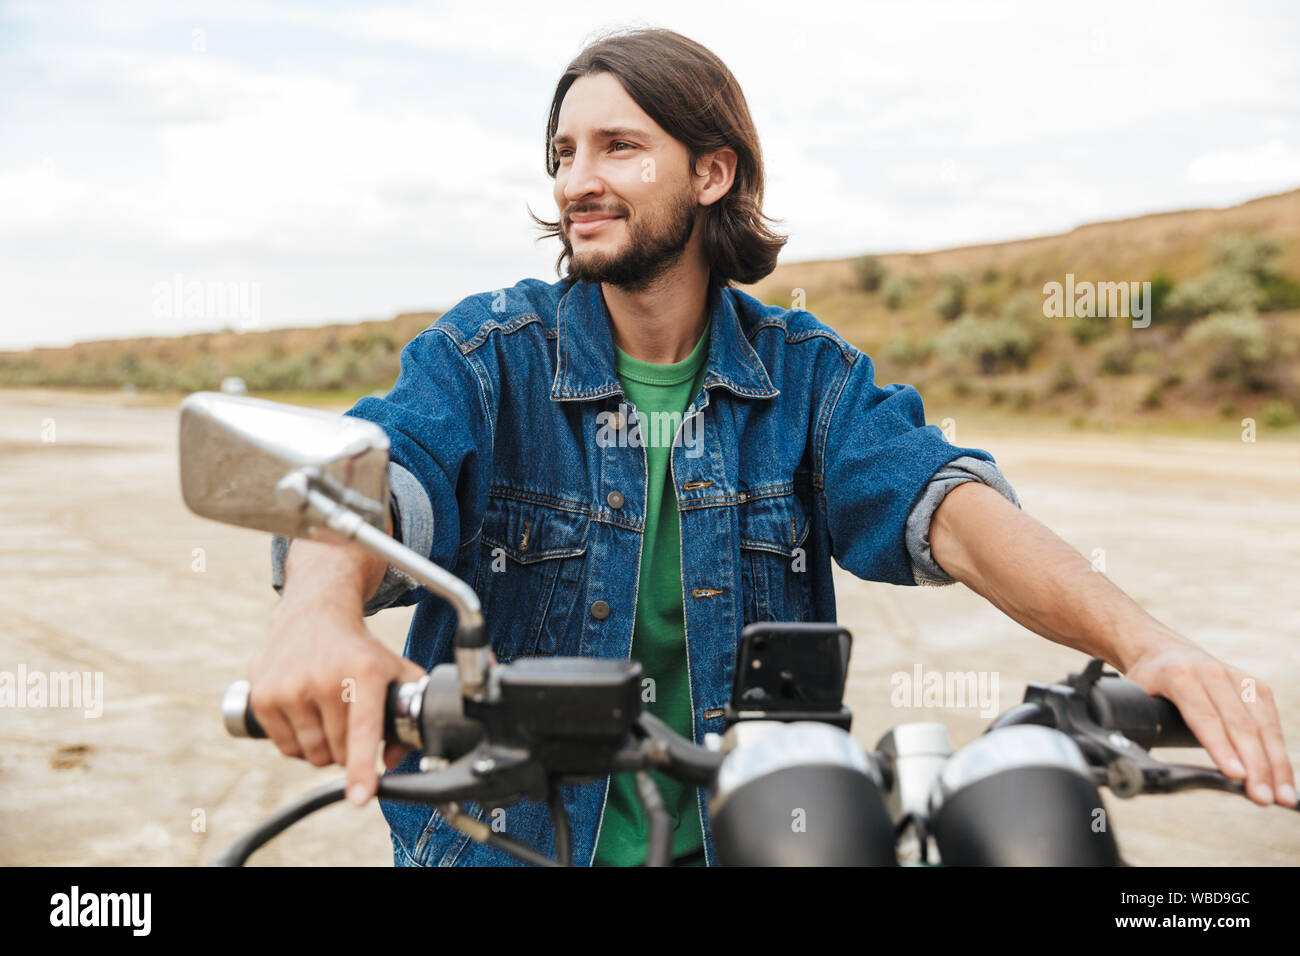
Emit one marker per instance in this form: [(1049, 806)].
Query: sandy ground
[(104, 569)]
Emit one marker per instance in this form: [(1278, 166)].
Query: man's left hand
[(1231, 713)]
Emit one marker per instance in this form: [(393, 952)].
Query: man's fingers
[(1202, 718), (365, 730), (278, 728), (306, 722), (1244, 734), (334, 719), (1264, 711)]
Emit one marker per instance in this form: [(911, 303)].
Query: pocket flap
[(529, 532), (777, 524)]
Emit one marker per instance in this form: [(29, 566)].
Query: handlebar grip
[(1172, 730), (1121, 705), (237, 712), (240, 721)]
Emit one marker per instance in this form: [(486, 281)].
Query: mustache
[(571, 212)]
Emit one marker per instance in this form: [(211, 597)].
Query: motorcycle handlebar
[(240, 721), (1113, 702), (1121, 705)]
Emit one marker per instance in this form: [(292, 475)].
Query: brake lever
[(1120, 763)]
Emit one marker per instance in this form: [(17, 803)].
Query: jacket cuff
[(925, 569), (412, 525)]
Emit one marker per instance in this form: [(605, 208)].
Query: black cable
[(659, 847), (518, 848), (560, 821), (239, 851), (676, 756)]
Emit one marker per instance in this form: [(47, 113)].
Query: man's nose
[(583, 179)]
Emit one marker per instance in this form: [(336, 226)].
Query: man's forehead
[(598, 105)]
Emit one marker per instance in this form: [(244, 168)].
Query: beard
[(650, 250)]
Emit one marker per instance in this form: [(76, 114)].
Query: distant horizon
[(229, 327)]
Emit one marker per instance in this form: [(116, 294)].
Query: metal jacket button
[(615, 499), (600, 610)]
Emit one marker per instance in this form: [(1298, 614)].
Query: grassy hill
[(965, 325)]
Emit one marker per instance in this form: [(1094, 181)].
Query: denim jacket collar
[(585, 349)]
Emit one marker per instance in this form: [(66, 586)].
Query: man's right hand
[(320, 686)]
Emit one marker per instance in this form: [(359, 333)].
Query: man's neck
[(662, 323)]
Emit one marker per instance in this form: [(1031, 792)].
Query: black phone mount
[(791, 672)]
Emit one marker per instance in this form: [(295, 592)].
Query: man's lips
[(584, 224)]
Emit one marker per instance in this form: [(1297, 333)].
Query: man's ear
[(715, 173)]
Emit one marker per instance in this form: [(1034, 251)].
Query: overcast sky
[(348, 161)]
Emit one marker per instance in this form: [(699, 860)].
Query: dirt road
[(104, 570)]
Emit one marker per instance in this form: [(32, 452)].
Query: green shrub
[(984, 300), (1023, 307), (1064, 378), (991, 345), (1279, 414), (1248, 255), (870, 271), (905, 352), (1089, 328), (896, 290), (1151, 398), (1161, 287), (1236, 348), (1117, 357), (1146, 361), (1280, 293), (1222, 290), (989, 275), (950, 301)]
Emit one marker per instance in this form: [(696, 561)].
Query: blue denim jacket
[(510, 469)]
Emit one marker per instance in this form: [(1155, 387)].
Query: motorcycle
[(788, 784)]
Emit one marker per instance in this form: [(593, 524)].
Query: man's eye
[(621, 143)]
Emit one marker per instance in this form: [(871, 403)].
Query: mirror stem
[(472, 650)]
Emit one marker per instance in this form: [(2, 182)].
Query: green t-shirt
[(659, 630)]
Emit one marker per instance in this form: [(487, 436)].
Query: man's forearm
[(1029, 573), (343, 572)]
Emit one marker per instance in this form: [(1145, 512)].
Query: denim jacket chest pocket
[(530, 576), (774, 568)]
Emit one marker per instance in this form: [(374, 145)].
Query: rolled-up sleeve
[(412, 525), (959, 471), (880, 465), (440, 437)]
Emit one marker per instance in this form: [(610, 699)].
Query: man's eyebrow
[(605, 132)]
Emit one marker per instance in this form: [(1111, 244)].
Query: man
[(527, 459)]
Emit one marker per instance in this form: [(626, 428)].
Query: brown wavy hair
[(691, 94)]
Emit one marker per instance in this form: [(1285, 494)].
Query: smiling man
[(580, 545)]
